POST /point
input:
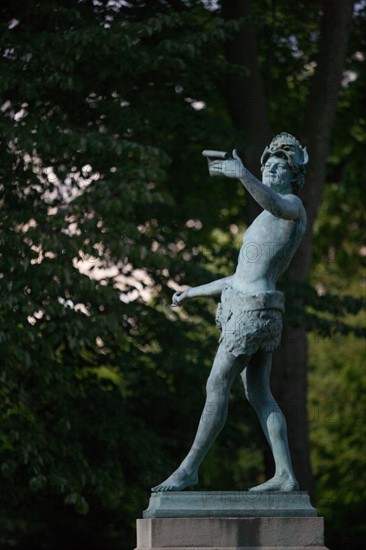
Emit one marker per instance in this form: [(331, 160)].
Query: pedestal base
[(235, 521), (232, 504), (230, 533)]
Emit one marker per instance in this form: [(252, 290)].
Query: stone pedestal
[(230, 520)]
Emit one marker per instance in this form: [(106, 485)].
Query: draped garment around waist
[(250, 322)]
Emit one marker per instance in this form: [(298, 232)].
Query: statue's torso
[(268, 247)]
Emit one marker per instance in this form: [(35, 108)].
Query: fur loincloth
[(250, 322)]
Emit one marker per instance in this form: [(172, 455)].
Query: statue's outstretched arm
[(210, 289), (288, 207)]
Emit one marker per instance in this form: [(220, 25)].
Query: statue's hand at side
[(231, 168), (179, 298)]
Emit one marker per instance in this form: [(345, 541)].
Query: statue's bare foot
[(285, 484), (178, 481)]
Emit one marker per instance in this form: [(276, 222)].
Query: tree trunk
[(245, 93), (247, 105), (320, 112), (290, 380)]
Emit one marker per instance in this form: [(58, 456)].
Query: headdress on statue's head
[(288, 147)]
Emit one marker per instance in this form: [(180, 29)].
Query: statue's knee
[(252, 398), (211, 385), (256, 398), (216, 385), (247, 394)]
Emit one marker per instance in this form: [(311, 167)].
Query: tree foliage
[(88, 195)]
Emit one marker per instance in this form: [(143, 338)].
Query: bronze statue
[(250, 311)]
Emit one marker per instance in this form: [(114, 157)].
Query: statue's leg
[(256, 378), (224, 370)]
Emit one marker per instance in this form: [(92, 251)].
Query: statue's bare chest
[(267, 228)]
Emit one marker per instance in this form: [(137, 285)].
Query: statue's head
[(289, 148)]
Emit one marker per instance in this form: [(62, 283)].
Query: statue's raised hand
[(179, 298), (229, 167)]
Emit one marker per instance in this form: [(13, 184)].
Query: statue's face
[(277, 174)]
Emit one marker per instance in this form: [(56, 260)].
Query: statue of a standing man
[(250, 312)]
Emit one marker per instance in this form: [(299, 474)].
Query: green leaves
[(94, 115)]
